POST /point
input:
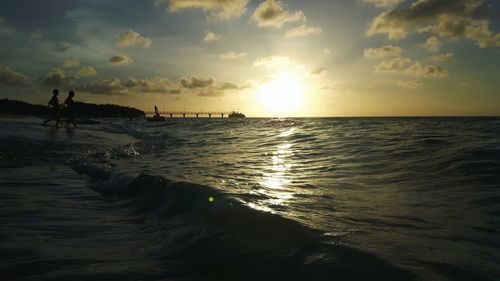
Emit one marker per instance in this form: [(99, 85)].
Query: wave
[(203, 234)]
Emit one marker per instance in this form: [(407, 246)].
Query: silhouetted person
[(70, 107), (157, 112), (55, 108)]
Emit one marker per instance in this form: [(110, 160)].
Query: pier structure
[(196, 114)]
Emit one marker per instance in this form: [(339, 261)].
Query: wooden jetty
[(196, 114)]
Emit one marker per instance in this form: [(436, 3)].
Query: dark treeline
[(82, 109)]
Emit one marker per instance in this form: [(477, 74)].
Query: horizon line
[(346, 116)]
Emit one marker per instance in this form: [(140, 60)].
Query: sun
[(282, 95)]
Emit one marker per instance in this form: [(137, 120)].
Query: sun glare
[(282, 95)]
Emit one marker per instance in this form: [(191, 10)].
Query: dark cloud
[(211, 93), (120, 60), (104, 87), (421, 10), (230, 86), (386, 51), (272, 13), (173, 91), (393, 65), (475, 30), (234, 86), (10, 77), (86, 72), (408, 67), (115, 86), (195, 82), (320, 71), (56, 78), (447, 18), (154, 85), (206, 87), (384, 3), (159, 85), (419, 69), (221, 9)]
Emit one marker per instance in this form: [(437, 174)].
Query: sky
[(265, 58)]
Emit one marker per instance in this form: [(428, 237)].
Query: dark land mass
[(86, 110)]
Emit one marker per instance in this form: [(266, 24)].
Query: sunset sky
[(265, 58)]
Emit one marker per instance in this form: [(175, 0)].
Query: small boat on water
[(157, 117), (236, 114)]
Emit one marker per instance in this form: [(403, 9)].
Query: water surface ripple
[(348, 198)]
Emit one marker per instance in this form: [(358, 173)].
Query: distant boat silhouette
[(236, 114), (157, 117)]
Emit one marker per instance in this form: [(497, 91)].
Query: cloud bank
[(211, 37), (272, 13), (104, 87), (408, 67), (9, 77), (303, 30), (386, 51), (86, 71), (131, 38), (195, 82), (444, 18), (219, 9), (158, 85), (432, 44), (56, 77), (384, 3), (115, 86), (120, 60)]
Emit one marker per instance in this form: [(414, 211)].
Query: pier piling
[(196, 114)]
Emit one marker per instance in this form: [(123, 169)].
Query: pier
[(196, 114)]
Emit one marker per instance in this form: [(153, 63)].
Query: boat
[(157, 117), (236, 114)]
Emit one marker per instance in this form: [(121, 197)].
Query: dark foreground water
[(255, 199)]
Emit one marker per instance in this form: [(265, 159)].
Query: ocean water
[(251, 199)]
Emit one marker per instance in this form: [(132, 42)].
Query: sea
[(251, 199)]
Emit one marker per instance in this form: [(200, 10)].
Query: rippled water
[(252, 199)]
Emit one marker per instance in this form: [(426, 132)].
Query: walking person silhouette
[(70, 107), (55, 108)]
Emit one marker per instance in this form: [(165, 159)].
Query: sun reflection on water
[(277, 178)]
